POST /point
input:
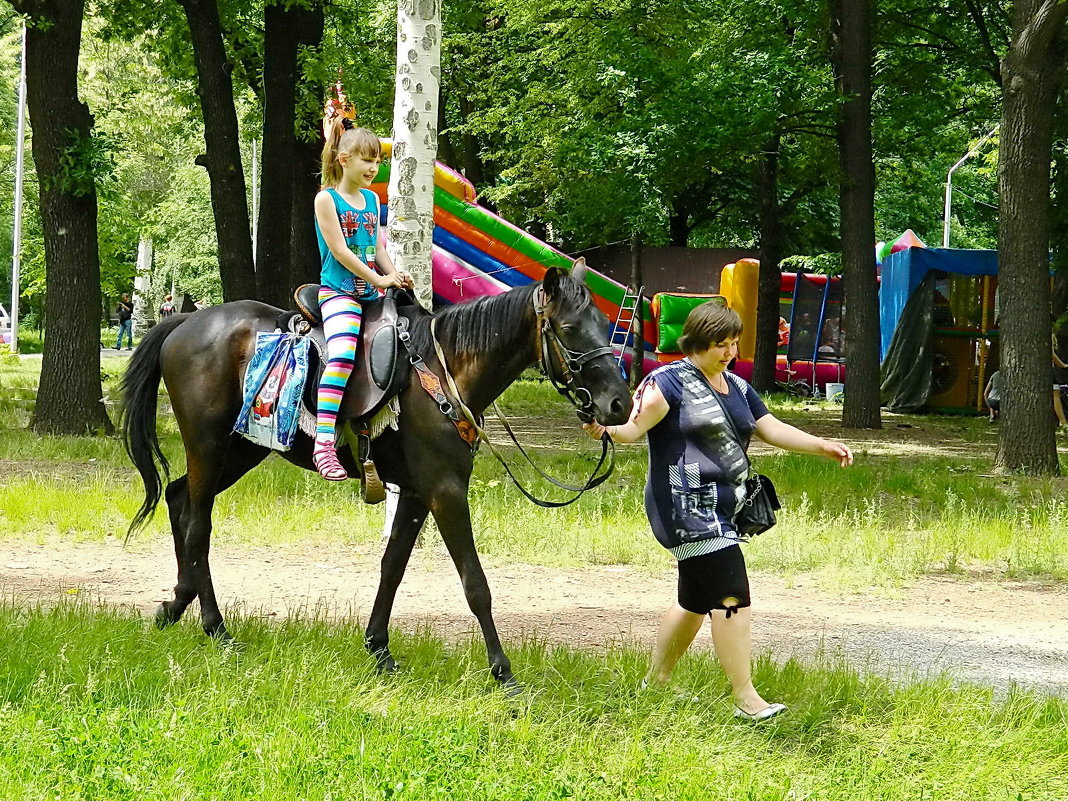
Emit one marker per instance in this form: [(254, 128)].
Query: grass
[(919, 500), (94, 704)]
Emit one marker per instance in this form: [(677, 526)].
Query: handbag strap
[(727, 414)]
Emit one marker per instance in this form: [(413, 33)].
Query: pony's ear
[(551, 282), (578, 270)]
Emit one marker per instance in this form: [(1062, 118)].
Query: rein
[(565, 387)]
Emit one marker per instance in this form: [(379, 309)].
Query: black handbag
[(756, 514)]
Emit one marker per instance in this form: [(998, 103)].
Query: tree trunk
[(222, 156), (415, 142), (279, 143), (770, 276), (851, 59), (446, 150), (1032, 72), (679, 226), (474, 167), (69, 397), (144, 314), (304, 265)]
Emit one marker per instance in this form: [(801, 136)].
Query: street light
[(16, 237), (949, 183)]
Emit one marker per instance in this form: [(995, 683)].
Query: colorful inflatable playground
[(476, 253)]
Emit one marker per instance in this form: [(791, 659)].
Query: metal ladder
[(624, 324)]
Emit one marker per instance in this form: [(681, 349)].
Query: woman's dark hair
[(707, 325)]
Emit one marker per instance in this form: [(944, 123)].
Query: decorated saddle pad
[(274, 383)]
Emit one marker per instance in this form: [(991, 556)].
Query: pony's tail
[(140, 388)]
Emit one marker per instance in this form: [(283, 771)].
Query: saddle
[(381, 371)]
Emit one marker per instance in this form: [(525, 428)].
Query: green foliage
[(86, 163)]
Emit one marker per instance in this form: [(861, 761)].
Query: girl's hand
[(409, 282), (838, 451), (594, 429), (389, 281)]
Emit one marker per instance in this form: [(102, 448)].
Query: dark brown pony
[(487, 343)]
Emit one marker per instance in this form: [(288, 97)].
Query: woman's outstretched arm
[(783, 435)]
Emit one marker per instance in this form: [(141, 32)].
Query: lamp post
[(16, 236), (949, 183)]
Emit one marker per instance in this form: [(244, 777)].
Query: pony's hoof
[(221, 637), (163, 616), (512, 688), (385, 664)]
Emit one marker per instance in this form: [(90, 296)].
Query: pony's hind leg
[(207, 476), (407, 522), (185, 590)]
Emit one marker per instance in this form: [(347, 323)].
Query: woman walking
[(697, 472)]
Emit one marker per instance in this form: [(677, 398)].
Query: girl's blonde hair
[(345, 137)]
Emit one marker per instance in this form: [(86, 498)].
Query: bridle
[(561, 372), (562, 376)]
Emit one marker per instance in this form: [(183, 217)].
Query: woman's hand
[(838, 451), (594, 429)]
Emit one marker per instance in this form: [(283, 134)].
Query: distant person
[(167, 308), (992, 395), (784, 332), (201, 304), (1058, 366), (125, 312)]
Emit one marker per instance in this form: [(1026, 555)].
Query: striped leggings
[(341, 323)]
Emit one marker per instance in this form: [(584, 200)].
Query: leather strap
[(607, 446)]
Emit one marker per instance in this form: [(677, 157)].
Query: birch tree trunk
[(415, 142), (143, 287)]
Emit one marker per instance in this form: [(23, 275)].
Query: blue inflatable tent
[(902, 273)]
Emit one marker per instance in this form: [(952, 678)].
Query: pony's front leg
[(453, 516), (407, 522)]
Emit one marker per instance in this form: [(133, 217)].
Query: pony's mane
[(476, 326)]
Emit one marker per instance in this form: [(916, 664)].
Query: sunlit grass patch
[(883, 522), (94, 703)]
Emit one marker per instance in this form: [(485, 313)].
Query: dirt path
[(983, 632)]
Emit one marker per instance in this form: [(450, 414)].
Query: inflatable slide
[(477, 253)]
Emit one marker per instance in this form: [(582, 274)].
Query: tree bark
[(415, 142), (69, 398), (851, 58), (279, 144), (222, 156), (304, 264), (1032, 72), (770, 276)]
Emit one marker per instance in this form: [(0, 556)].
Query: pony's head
[(574, 347)]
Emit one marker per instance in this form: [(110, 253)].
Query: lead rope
[(593, 481)]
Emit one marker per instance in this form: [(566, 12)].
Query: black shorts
[(707, 581)]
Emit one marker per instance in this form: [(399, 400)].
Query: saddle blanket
[(274, 384)]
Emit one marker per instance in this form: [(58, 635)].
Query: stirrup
[(371, 487), (326, 462)]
